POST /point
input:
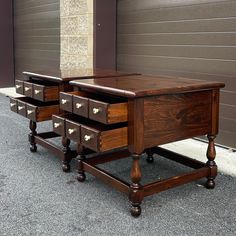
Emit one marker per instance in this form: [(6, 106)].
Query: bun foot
[(33, 148), (135, 211), (150, 159), (81, 177), (210, 184), (65, 168)]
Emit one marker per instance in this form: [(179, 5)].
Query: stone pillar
[(76, 34)]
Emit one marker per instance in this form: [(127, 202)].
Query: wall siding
[(195, 39), (36, 35)]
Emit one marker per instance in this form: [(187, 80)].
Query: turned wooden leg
[(80, 158), (33, 127), (211, 153), (149, 158), (67, 157), (136, 189)]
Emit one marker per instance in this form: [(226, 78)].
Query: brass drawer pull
[(12, 104), (20, 108), (56, 125), (71, 131), (78, 105), (64, 101), (96, 110), (30, 112), (37, 91), (27, 89), (18, 86), (88, 137)]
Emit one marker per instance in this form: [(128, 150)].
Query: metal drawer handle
[(18, 86), (27, 89), (96, 110), (37, 91), (71, 131), (88, 137), (30, 112), (56, 125), (12, 104), (20, 108), (64, 101), (78, 105)]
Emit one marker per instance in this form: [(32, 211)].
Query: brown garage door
[(195, 38)]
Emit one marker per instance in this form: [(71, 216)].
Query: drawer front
[(31, 112), (13, 104), (115, 138), (80, 106), (98, 111), (38, 92), (90, 138), (101, 141), (21, 108), (66, 101), (73, 130), (58, 125), (20, 87), (28, 89)]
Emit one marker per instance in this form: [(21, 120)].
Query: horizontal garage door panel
[(217, 39), (222, 67), (137, 5), (192, 12), (207, 52), (183, 26)]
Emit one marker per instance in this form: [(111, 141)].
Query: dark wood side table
[(158, 110), (41, 100)]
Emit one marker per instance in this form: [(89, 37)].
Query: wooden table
[(41, 100), (137, 114)]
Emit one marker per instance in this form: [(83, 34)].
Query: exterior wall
[(6, 44), (36, 35), (76, 34), (195, 39)]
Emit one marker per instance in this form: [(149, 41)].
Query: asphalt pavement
[(37, 198)]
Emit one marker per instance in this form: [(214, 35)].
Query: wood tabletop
[(68, 75), (140, 85)]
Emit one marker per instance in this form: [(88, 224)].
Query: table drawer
[(34, 110), (72, 130), (45, 93), (104, 140), (20, 87), (28, 89), (66, 101), (13, 104), (38, 113), (81, 105), (58, 125), (108, 113), (21, 108), (101, 108)]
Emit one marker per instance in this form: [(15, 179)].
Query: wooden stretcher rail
[(163, 185), (115, 182), (178, 158)]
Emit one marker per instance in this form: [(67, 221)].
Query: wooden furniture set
[(122, 117), (41, 100)]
